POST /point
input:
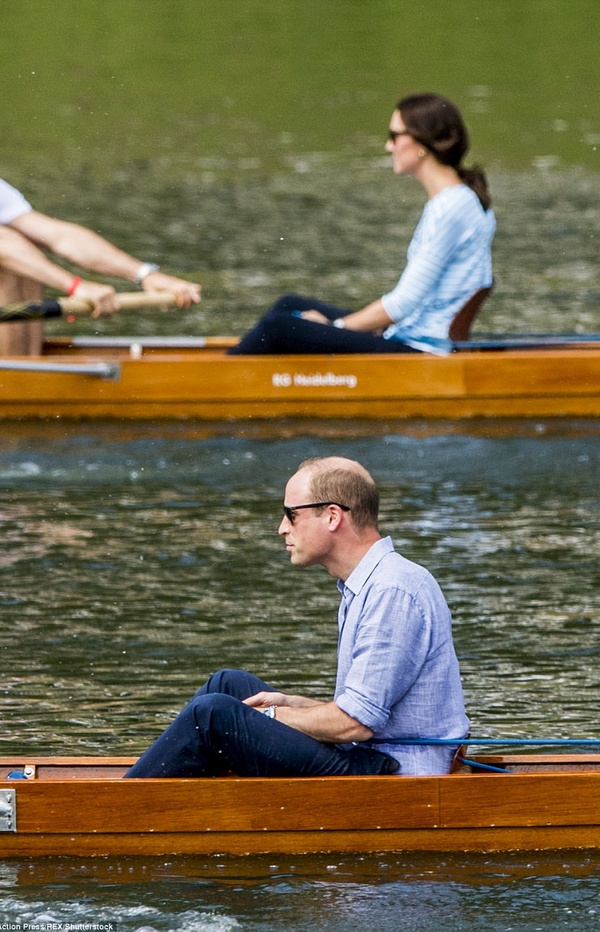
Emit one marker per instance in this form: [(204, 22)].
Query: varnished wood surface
[(82, 806), (214, 843), (205, 384)]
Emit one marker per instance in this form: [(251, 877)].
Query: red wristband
[(74, 286)]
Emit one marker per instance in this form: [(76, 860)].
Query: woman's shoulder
[(455, 197), (457, 204)]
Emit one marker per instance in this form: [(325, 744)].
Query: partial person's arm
[(371, 318), (19, 256), (441, 233), (324, 721), (87, 249)]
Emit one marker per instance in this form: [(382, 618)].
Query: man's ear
[(334, 517)]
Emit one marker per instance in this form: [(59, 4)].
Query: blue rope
[(477, 765), (496, 742)]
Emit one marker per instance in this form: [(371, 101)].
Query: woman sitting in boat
[(449, 258)]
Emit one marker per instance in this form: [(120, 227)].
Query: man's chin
[(296, 559)]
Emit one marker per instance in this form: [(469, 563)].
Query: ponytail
[(475, 178)]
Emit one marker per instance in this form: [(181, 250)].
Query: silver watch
[(146, 268)]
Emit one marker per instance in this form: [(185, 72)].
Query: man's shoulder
[(395, 567), (384, 567), (396, 570)]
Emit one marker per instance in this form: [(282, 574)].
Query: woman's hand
[(315, 316)]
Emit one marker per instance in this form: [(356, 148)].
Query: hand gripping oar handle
[(127, 301), (40, 310)]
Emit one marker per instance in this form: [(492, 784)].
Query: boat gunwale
[(208, 385)]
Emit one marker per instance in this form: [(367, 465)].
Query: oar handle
[(127, 301)]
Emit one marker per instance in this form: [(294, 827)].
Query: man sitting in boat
[(24, 268), (449, 258), (397, 677)]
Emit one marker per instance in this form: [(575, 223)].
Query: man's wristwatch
[(270, 711), (146, 268), (340, 323)]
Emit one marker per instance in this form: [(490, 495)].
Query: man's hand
[(324, 721), (263, 700), (187, 293), (103, 297)]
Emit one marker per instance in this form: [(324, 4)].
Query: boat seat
[(460, 328)]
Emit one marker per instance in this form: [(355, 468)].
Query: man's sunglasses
[(290, 510)]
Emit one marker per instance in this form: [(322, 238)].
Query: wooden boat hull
[(138, 381), (82, 807)]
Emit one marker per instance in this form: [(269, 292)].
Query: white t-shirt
[(12, 203)]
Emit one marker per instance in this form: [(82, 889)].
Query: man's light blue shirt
[(397, 668)]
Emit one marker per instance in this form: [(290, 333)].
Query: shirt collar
[(363, 570)]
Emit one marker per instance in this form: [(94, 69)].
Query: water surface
[(135, 562)]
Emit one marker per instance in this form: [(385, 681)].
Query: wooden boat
[(81, 806), (175, 378), (142, 378)]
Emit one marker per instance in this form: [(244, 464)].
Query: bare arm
[(371, 318), (324, 721), (87, 249), (21, 257), (76, 244)]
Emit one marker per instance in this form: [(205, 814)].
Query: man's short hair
[(352, 485)]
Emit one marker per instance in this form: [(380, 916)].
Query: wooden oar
[(40, 310)]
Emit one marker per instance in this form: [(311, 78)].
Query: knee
[(287, 303), (213, 713), (231, 682), (226, 673)]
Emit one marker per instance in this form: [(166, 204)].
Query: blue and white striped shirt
[(397, 669), (449, 259)]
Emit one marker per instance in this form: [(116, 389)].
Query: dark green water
[(242, 144)]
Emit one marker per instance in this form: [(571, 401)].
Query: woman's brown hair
[(437, 124)]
